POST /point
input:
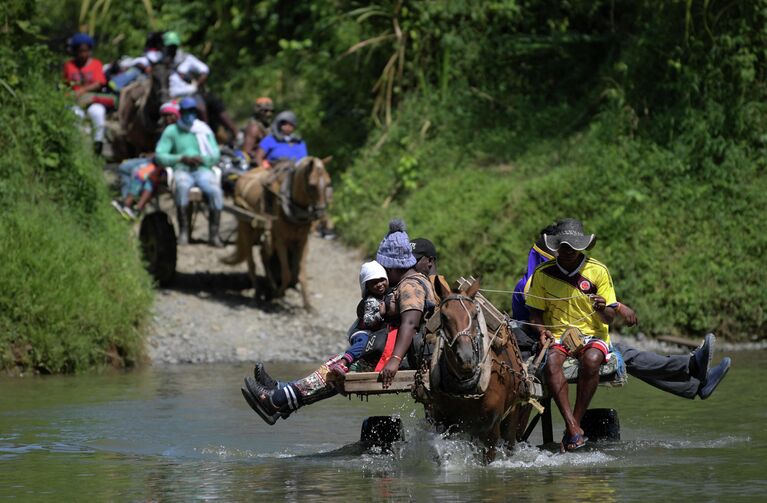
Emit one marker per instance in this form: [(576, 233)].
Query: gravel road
[(209, 314)]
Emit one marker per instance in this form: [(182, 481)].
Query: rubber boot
[(214, 220), (183, 226)]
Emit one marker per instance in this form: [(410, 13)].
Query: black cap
[(422, 247)]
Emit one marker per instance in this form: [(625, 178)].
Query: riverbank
[(210, 315)]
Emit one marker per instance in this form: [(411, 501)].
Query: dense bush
[(480, 122), (73, 293)]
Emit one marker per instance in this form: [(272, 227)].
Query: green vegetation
[(481, 122), (73, 293)]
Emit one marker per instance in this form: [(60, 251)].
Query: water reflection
[(185, 433)]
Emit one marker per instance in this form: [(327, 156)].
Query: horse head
[(461, 333), (312, 187)]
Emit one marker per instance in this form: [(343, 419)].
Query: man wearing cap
[(685, 376), (190, 148), (572, 291), (258, 126)]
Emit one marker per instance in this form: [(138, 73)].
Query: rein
[(466, 332), (295, 213)]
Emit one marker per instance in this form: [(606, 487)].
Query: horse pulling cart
[(493, 399)]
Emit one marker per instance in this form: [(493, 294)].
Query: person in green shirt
[(190, 148)]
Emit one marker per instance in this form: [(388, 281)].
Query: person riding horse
[(282, 143), (85, 76), (258, 126), (190, 148)]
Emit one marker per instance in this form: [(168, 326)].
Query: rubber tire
[(381, 432), (158, 247), (601, 424)]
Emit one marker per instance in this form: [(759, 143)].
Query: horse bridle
[(466, 332), (294, 212)]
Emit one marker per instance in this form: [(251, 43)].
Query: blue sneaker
[(714, 377), (700, 361)]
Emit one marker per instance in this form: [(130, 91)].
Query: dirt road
[(209, 314)]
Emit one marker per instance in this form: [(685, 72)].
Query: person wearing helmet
[(188, 74), (85, 76), (282, 143), (258, 126), (190, 148)]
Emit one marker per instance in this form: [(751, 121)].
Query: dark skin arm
[(628, 314), (536, 317), (88, 88), (260, 155), (605, 312), (250, 142), (407, 329)]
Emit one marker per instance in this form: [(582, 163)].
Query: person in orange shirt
[(85, 76)]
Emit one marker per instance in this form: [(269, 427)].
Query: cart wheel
[(601, 424), (158, 244), (381, 432)]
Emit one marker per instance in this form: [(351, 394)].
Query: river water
[(185, 433)]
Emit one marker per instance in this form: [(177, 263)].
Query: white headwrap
[(370, 270)]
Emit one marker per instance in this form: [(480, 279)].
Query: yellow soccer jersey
[(550, 282)]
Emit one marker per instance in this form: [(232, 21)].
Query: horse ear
[(327, 159), (473, 289)]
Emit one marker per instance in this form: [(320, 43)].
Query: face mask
[(187, 119)]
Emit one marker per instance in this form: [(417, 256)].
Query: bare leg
[(558, 388), (588, 379)]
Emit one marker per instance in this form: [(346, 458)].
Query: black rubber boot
[(183, 226), (214, 221), (263, 378)]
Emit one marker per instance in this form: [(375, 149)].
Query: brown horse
[(138, 114), (291, 198), (466, 398)]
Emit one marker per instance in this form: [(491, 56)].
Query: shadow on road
[(233, 289)]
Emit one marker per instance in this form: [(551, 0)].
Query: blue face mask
[(187, 119)]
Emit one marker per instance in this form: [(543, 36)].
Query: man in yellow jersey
[(572, 291)]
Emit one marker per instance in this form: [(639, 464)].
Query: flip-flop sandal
[(270, 419), (568, 441)]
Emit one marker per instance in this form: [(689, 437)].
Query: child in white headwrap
[(371, 310)]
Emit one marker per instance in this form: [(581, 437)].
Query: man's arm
[(407, 329), (536, 317), (164, 148), (605, 312)]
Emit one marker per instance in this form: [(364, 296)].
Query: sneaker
[(700, 361), (116, 204), (130, 214), (259, 399), (714, 377), (263, 378)]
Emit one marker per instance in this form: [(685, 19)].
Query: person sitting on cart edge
[(572, 291), (685, 376), (190, 148), (413, 300), (282, 143)]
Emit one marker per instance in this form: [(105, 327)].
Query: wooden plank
[(368, 383), (245, 215), (493, 316), (681, 341)]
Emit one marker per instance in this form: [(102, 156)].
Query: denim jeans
[(203, 178), (126, 170)]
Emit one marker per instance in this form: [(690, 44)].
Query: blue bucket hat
[(395, 252), (79, 39), (187, 103)]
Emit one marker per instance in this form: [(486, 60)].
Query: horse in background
[(477, 382), (138, 114), (291, 198)]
